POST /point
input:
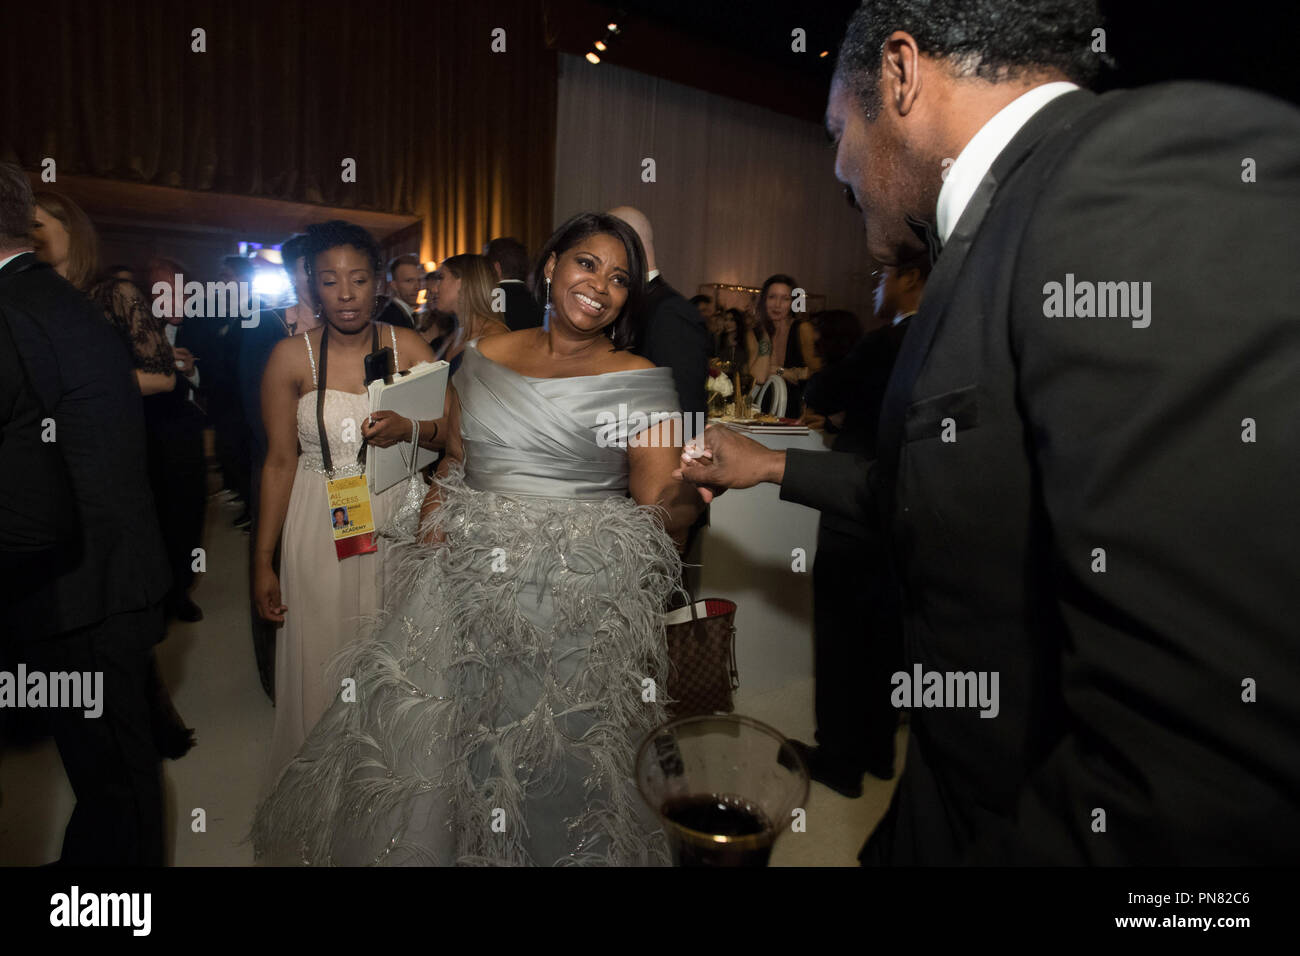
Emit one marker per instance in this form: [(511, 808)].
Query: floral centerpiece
[(719, 388)]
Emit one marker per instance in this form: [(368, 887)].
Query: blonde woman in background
[(463, 285)]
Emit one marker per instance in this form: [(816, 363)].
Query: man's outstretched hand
[(722, 458)]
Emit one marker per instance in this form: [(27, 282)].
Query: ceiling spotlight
[(824, 53), (592, 58), (612, 27), (600, 45)]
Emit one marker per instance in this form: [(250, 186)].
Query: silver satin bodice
[(543, 436)]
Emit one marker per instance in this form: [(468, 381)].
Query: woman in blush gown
[(322, 600), (497, 711)]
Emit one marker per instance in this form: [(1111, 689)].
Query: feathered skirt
[(493, 716)]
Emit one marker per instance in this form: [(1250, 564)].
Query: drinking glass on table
[(724, 787)]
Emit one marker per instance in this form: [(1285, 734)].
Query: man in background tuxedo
[(669, 330), (405, 274), (1089, 487), (98, 609), (509, 259), (857, 625), (174, 422)]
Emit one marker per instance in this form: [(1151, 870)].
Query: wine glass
[(724, 786)]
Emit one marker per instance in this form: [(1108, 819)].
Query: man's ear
[(496, 267), (900, 67)]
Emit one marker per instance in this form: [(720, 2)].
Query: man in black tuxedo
[(1088, 473), (857, 624), (98, 609), (669, 330), (405, 275), (509, 260)]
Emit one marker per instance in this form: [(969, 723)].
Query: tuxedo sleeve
[(677, 338), (1167, 444), (37, 512), (836, 483)]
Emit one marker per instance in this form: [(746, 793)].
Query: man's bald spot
[(636, 219)]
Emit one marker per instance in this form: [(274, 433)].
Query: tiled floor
[(210, 669)]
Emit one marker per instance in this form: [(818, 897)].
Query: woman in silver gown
[(493, 717)]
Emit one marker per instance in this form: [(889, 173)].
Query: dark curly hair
[(622, 331), (323, 236), (995, 40)]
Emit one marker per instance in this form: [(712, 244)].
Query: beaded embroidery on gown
[(498, 708)]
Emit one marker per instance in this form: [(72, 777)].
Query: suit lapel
[(947, 269), (23, 262)]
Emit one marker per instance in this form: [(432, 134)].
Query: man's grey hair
[(17, 206)]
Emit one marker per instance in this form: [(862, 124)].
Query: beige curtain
[(440, 125), (740, 192)]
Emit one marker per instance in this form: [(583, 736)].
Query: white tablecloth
[(747, 554)]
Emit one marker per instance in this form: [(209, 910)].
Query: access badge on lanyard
[(350, 517), (349, 498)]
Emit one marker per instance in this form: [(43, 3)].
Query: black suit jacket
[(1017, 447), (389, 311), (522, 310), (175, 415), (671, 333), (37, 517), (81, 372), (856, 386), (254, 354)]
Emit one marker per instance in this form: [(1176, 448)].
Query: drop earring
[(546, 311)]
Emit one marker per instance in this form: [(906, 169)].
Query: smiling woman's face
[(589, 283), (344, 284)]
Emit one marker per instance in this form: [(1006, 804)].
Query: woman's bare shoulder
[(627, 362), (288, 354), (498, 343)]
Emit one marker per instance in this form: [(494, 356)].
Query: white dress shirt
[(193, 377), (404, 307), (966, 173)]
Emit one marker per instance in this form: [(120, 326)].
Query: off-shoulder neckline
[(555, 378)]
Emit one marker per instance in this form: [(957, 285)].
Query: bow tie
[(925, 232)]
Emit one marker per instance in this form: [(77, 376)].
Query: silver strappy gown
[(497, 710)]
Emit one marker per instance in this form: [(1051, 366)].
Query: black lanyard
[(325, 455)]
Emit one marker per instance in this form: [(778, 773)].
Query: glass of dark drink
[(724, 787)]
